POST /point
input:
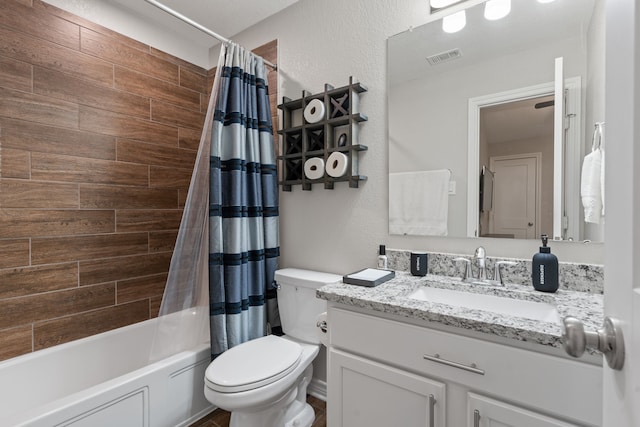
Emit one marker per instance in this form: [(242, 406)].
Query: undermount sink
[(508, 306)]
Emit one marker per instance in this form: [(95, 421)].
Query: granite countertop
[(393, 297)]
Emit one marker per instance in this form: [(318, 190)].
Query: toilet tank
[(297, 302)]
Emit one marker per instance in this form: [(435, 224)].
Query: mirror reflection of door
[(516, 141), (516, 198)]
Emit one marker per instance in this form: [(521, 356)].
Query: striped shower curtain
[(243, 205)]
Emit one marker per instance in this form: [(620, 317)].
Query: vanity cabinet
[(383, 371), (368, 393), (484, 411)]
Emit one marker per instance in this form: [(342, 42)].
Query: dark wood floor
[(220, 418)]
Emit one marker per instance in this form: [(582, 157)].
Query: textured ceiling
[(225, 17)]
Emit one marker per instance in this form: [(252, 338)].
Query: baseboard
[(317, 388)]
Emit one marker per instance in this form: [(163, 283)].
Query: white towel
[(591, 186), (419, 202)]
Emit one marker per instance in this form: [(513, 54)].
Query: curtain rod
[(199, 26)]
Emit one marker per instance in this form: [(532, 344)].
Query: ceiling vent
[(449, 55)]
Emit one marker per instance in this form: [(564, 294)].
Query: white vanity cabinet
[(484, 411), (384, 372)]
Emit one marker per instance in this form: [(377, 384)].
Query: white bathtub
[(104, 381)]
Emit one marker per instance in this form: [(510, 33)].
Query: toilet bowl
[(264, 382)]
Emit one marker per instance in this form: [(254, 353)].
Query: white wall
[(594, 97), (339, 230)]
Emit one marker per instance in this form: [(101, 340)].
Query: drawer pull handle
[(476, 418), (432, 408), (471, 368)]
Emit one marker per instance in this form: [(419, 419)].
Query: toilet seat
[(253, 364)]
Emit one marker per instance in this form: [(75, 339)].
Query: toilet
[(263, 382)]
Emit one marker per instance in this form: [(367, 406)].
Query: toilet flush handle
[(322, 324)]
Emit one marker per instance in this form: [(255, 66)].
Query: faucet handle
[(467, 267), (497, 272)]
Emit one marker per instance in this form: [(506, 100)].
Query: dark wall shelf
[(336, 130)]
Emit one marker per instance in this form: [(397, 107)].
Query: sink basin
[(508, 306)]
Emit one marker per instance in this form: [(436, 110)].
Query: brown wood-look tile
[(15, 74), (145, 85), (54, 140), (16, 341), (34, 194), (162, 241), (121, 197), (34, 308), (19, 282), (58, 85), (193, 80), (63, 249), (51, 167), (154, 306), (26, 2), (32, 50), (146, 220), (111, 49), (15, 164), (151, 154), (182, 197), (177, 116), (177, 61), (54, 11), (189, 138), (268, 51), (124, 126), (14, 253), (161, 177), (140, 288), (37, 108), (121, 268), (39, 24), (69, 328), (16, 223)]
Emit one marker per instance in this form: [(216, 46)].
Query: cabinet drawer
[(363, 393), (551, 384)]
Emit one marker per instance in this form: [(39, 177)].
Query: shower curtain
[(220, 282), (243, 206)]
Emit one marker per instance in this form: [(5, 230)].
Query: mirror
[(484, 97)]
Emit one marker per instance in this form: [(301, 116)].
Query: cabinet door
[(485, 412), (363, 393)]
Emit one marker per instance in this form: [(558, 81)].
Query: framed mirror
[(485, 97)]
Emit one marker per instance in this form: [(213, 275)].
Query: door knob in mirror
[(608, 340)]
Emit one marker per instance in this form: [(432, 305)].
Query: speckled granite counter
[(393, 297)]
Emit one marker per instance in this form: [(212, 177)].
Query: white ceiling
[(225, 17)]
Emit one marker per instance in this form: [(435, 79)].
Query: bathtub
[(105, 381)]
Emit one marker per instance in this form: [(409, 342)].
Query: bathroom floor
[(220, 418)]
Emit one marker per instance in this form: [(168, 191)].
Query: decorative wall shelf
[(316, 126)]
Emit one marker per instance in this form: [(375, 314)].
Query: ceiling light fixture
[(497, 9), (439, 4), (454, 22)]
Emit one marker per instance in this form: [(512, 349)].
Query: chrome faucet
[(480, 259), (480, 263)]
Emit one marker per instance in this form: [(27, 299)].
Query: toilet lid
[(253, 364)]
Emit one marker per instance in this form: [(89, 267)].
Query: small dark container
[(418, 263), (544, 269)]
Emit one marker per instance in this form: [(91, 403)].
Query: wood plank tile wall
[(98, 137)]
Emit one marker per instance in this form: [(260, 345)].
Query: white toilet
[(263, 382)]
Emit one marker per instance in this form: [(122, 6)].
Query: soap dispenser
[(382, 258), (544, 269)]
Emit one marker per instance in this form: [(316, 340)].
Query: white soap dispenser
[(382, 258)]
